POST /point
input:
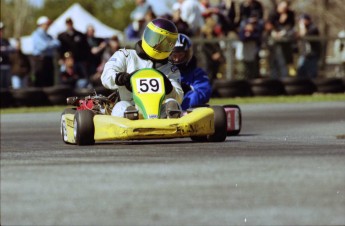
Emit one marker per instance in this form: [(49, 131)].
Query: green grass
[(280, 99), (214, 101)]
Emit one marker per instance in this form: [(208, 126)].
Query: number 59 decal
[(149, 85)]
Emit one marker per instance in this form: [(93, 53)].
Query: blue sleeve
[(42, 43), (201, 89)]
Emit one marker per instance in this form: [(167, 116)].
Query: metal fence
[(329, 65)]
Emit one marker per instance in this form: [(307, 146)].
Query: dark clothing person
[(310, 50), (5, 64), (44, 47), (226, 16), (21, 68), (282, 36), (250, 7), (250, 34), (75, 42)]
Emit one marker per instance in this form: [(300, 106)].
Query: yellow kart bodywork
[(200, 122)]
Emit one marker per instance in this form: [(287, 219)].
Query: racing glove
[(185, 87), (123, 79)]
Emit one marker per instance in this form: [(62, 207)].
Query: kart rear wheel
[(220, 129), (84, 129), (236, 131), (63, 128)]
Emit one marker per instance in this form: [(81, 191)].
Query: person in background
[(181, 25), (152, 51), (212, 51), (339, 53), (310, 51), (191, 13), (44, 47), (226, 16), (250, 34), (71, 74), (194, 80), (21, 67), (113, 45), (282, 34), (142, 7), (97, 46), (134, 30), (75, 42), (5, 63), (248, 7)]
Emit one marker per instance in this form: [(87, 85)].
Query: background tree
[(20, 17)]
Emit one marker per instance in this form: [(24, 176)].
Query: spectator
[(44, 47), (177, 5), (97, 46), (250, 34), (282, 33), (339, 53), (310, 49), (113, 45), (70, 74), (212, 51), (134, 30), (75, 42), (152, 51), (207, 10), (181, 25), (191, 13), (5, 64), (248, 7), (142, 7), (21, 68), (194, 80), (226, 16)]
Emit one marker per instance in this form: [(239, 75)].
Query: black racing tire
[(84, 129), (300, 90), (6, 98), (231, 88), (235, 132), (220, 132), (329, 85), (82, 92), (57, 95), (299, 86), (31, 96), (63, 127), (267, 87)]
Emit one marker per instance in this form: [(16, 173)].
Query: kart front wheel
[(84, 129), (220, 129), (63, 126)]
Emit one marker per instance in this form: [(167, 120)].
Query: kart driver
[(152, 51), (194, 80)]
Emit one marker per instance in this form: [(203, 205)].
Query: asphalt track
[(286, 168)]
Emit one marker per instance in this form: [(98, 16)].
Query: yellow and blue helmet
[(159, 38)]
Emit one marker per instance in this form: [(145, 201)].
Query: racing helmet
[(183, 51), (159, 38)]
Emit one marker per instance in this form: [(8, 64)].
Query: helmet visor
[(159, 42)]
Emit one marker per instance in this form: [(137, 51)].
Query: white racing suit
[(128, 61)]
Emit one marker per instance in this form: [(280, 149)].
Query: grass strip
[(213, 101)]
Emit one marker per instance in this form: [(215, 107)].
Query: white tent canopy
[(81, 19)]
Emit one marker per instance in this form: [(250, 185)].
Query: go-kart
[(91, 120)]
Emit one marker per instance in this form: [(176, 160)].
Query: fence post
[(230, 59)]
